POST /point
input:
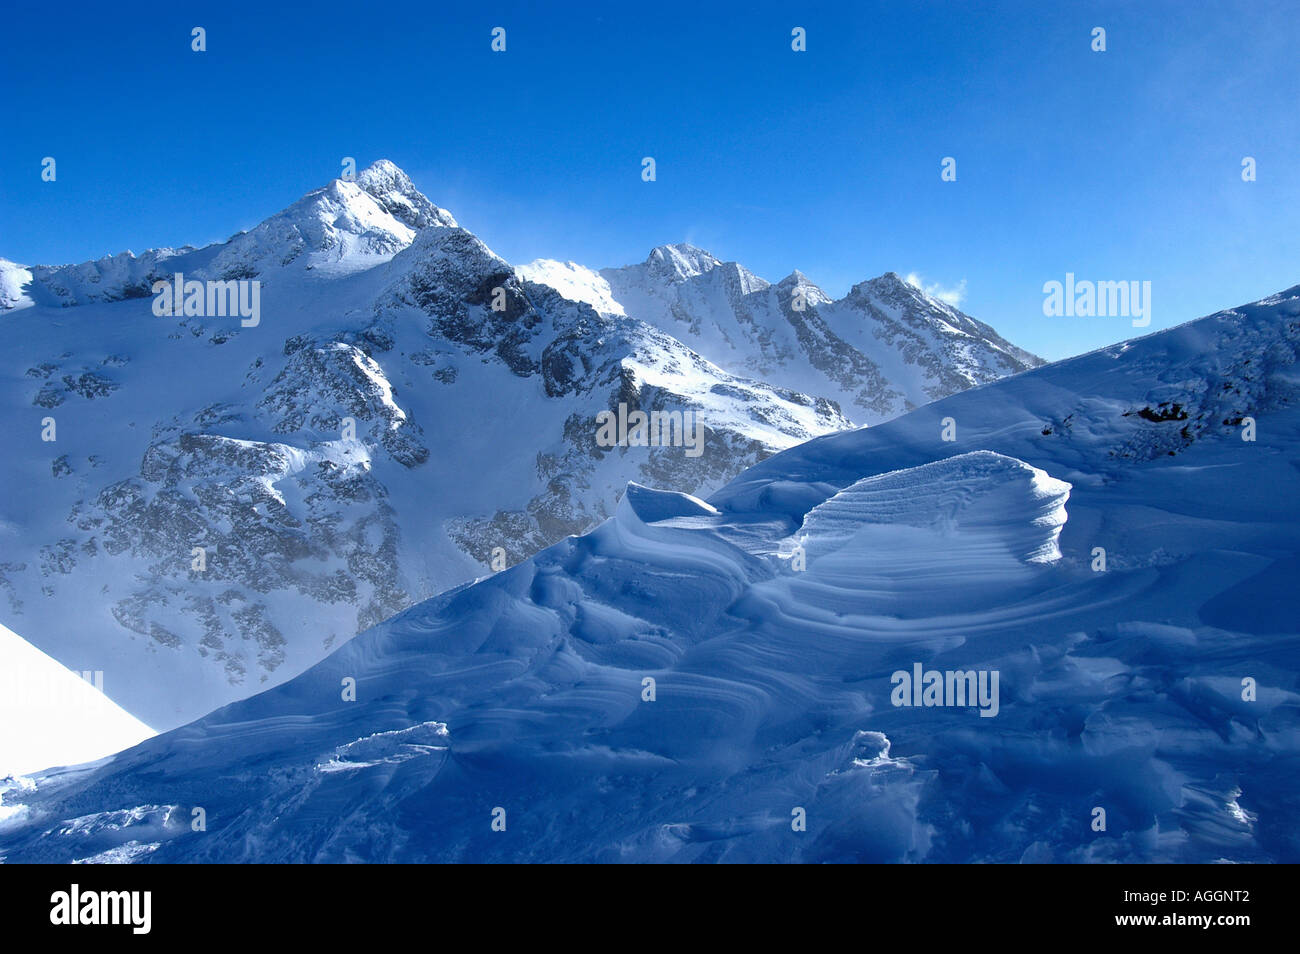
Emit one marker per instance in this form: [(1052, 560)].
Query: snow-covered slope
[(53, 716), (14, 280), (883, 349), (201, 508), (726, 680)]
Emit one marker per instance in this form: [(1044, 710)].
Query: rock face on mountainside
[(215, 504), (898, 643)]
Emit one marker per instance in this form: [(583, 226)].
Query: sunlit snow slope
[(1160, 689), (53, 716)]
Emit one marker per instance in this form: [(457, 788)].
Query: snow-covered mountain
[(346, 226), (1106, 545), (208, 504), (202, 505), (881, 350)]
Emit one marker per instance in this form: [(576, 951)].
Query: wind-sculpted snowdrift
[(942, 495), (723, 680)]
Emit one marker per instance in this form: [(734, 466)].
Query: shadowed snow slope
[(689, 680)]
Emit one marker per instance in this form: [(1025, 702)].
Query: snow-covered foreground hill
[(202, 506), (1097, 547)]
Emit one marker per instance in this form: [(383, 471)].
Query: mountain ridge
[(882, 349)]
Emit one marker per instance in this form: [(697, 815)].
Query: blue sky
[(1122, 165)]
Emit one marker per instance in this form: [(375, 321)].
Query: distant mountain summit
[(883, 349), (349, 225), (397, 195)]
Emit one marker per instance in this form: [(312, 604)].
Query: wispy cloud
[(953, 296)]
